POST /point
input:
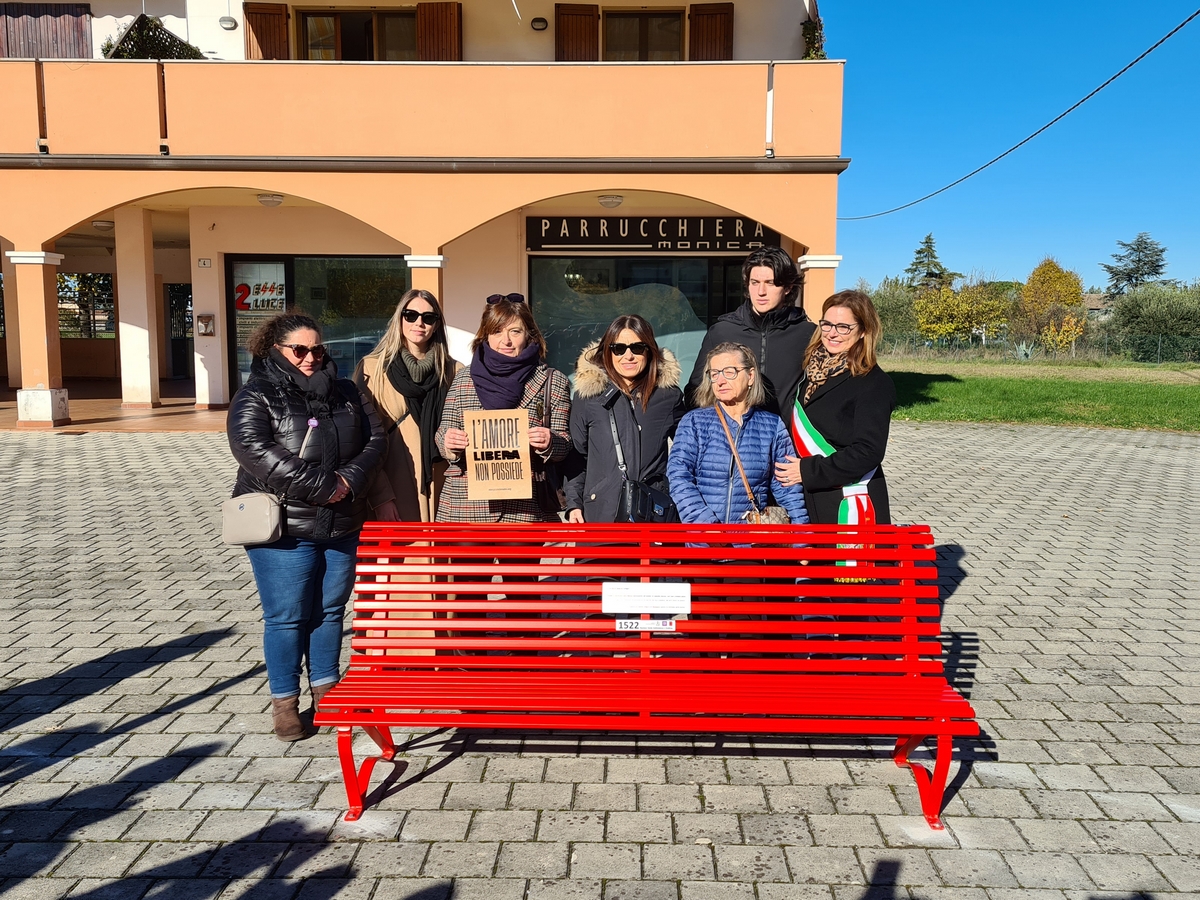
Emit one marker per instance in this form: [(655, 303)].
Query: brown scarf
[(822, 366)]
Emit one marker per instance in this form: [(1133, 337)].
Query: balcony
[(428, 111)]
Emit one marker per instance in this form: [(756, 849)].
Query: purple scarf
[(500, 380)]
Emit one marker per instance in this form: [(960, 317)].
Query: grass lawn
[(975, 394)]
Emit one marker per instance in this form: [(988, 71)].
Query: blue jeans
[(303, 586)]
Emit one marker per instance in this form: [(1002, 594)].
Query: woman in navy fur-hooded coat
[(705, 483)]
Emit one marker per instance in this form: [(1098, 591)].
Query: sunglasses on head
[(639, 348), (511, 298), (301, 351), (429, 318)]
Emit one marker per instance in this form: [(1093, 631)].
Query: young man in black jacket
[(770, 324)]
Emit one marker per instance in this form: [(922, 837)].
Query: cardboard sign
[(497, 455), (639, 597)]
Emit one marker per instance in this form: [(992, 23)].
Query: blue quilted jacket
[(705, 483)]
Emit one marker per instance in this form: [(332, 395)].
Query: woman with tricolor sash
[(841, 417)]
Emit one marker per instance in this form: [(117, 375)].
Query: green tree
[(893, 300), (1050, 292), (1143, 261), (926, 271)]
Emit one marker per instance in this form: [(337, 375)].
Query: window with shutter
[(46, 30), (439, 31), (266, 30), (576, 32), (710, 31)]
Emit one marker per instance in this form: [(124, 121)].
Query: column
[(12, 322), (212, 343), (138, 319), (426, 269), (819, 271), (164, 343), (42, 400)]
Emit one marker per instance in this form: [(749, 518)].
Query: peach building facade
[(152, 212)]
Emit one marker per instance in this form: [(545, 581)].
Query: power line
[(1055, 120)]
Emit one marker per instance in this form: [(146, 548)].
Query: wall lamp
[(229, 23), (539, 24), (103, 224), (270, 199), (610, 201)]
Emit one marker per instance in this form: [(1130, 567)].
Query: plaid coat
[(453, 505)]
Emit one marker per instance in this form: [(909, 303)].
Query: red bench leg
[(931, 789), (356, 780)]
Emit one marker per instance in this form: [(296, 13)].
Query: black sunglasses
[(639, 348), (301, 351), (511, 298), (429, 318)]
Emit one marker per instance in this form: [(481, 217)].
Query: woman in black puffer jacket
[(301, 433), (626, 379)]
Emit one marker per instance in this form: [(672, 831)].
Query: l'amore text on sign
[(497, 455)]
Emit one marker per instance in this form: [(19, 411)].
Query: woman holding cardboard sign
[(507, 372)]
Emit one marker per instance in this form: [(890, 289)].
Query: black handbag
[(639, 502)]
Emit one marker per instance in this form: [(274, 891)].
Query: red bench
[(808, 645)]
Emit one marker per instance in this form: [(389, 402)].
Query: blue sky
[(934, 89)]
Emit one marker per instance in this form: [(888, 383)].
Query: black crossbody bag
[(639, 502)]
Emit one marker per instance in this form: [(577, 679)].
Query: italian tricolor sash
[(856, 507)]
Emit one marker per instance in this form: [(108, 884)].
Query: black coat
[(267, 422), (778, 340), (854, 414), (644, 433)]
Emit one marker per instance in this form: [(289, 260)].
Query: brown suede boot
[(318, 691), (285, 712), (321, 690)]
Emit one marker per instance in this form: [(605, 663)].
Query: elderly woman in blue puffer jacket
[(705, 483)]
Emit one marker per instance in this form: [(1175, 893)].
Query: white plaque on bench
[(645, 624), (639, 597)]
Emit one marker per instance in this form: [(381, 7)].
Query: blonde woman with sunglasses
[(408, 375)]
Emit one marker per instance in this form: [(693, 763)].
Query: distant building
[(598, 160), (1097, 306)]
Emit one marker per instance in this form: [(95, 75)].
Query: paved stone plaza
[(138, 762)]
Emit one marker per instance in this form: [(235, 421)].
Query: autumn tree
[(977, 309), (1049, 293)]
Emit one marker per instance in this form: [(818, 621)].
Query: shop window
[(85, 305), (643, 36), (575, 299), (351, 297), (45, 30), (360, 35), (1, 305)]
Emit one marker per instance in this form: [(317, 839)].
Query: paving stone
[(751, 863), (533, 859), (461, 860), (436, 825), (640, 827), (641, 890), (605, 796), (565, 889), (390, 859), (611, 860), (682, 861), (564, 826)]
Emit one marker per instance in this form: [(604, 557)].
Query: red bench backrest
[(824, 599)]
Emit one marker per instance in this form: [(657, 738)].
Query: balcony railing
[(421, 110)]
